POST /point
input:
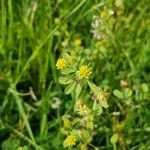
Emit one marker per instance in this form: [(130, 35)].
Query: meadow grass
[(35, 33)]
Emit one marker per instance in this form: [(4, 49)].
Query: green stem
[(43, 126), (44, 113), (10, 13), (37, 49), (3, 21), (114, 146), (18, 101), (19, 134)]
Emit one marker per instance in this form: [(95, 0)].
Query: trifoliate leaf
[(114, 138), (144, 87), (78, 90), (97, 107), (70, 88), (68, 70), (118, 94), (127, 93), (10, 144), (104, 103), (66, 56), (93, 87), (65, 80)]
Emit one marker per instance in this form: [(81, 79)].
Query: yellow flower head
[(70, 141), (66, 123), (102, 95), (57, 21), (81, 108), (119, 127), (61, 64), (84, 71), (77, 42), (105, 14)]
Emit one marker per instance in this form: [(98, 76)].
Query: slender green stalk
[(3, 21), (18, 101), (114, 146), (20, 135), (10, 31), (44, 112), (43, 124), (37, 49)]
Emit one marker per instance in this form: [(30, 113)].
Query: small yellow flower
[(66, 123), (105, 14), (61, 64), (102, 95), (77, 42), (84, 71), (123, 83), (81, 108), (70, 141), (119, 127), (57, 21)]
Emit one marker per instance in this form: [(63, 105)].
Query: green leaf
[(118, 94), (66, 56), (25, 147), (97, 108), (94, 105), (114, 138), (93, 87), (70, 88), (10, 144), (65, 80), (104, 103), (81, 62), (127, 93), (68, 70), (78, 90), (144, 87)]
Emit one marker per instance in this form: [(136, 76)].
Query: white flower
[(55, 103)]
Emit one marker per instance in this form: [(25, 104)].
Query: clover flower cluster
[(102, 95), (81, 108), (78, 129), (70, 141), (82, 71), (61, 63), (100, 23), (76, 75)]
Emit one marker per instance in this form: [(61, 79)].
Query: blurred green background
[(34, 33)]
